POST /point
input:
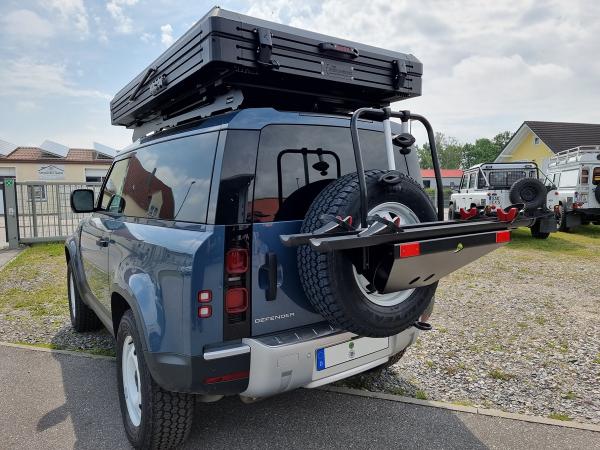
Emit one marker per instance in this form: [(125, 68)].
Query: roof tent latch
[(264, 49), (158, 84), (141, 84), (399, 73)]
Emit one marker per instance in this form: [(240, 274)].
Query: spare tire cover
[(529, 191), (330, 280)]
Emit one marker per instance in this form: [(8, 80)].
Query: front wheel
[(153, 417)]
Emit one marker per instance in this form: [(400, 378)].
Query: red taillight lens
[(204, 296), (236, 300), (502, 237), (236, 261), (204, 311), (410, 249), (227, 377)]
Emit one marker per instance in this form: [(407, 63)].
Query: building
[(450, 177), (538, 141)]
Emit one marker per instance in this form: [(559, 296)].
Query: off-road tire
[(452, 212), (166, 417), (597, 193), (536, 233), (529, 191), (83, 318), (328, 278), (562, 219)]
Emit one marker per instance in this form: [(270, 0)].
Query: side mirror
[(82, 200)]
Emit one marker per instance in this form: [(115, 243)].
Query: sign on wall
[(51, 172)]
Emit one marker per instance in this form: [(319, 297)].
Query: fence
[(43, 210)]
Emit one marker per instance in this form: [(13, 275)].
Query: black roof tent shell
[(273, 65)]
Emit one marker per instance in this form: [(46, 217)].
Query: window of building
[(95, 175), (536, 140), (37, 192), (171, 180), (295, 163)]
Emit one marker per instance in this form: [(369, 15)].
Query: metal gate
[(43, 210), (3, 237)]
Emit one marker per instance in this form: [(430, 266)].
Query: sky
[(488, 66)]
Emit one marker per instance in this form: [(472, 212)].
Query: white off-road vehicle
[(487, 187), (576, 175)]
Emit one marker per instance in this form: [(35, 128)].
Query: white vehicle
[(489, 186), (576, 174)]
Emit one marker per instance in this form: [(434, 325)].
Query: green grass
[(597, 359), (421, 395), (498, 374), (462, 402), (583, 241), (570, 395), (559, 416)]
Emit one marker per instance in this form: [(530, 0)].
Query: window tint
[(171, 180), (111, 199), (309, 157), (596, 176), (569, 178)]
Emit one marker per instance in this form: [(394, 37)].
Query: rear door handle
[(102, 242), (271, 267)]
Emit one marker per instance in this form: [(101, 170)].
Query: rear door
[(295, 163)]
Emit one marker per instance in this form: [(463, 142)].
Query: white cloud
[(26, 80), (124, 24), (72, 12), (26, 106), (166, 35), (147, 37), (24, 26)]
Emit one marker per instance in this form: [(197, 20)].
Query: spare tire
[(330, 280), (597, 193), (529, 191)]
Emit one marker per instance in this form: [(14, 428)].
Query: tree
[(448, 149), (501, 139)]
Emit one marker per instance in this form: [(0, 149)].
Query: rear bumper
[(278, 365)]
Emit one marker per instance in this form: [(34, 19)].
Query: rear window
[(569, 178), (504, 179), (171, 180), (295, 162)]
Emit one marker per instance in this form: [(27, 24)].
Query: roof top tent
[(228, 61)]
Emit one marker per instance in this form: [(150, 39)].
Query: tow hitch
[(395, 257)]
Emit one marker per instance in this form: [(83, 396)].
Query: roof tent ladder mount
[(143, 81), (264, 50), (230, 101), (399, 73), (382, 115)]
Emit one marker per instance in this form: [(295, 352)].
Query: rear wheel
[(536, 233), (153, 417), (331, 281)]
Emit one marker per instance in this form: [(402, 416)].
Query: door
[(295, 163), (96, 231)]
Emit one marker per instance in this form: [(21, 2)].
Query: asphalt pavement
[(53, 400)]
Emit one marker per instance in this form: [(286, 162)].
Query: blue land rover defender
[(267, 229)]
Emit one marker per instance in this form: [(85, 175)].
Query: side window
[(171, 180), (295, 163), (463, 182), (585, 175), (481, 183), (596, 176), (111, 199), (472, 180), (569, 178)]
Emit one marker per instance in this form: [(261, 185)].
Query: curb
[(51, 350), (463, 409)]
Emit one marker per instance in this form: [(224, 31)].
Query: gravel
[(516, 331)]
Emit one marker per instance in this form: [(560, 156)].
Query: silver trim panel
[(226, 352)]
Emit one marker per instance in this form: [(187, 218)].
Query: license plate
[(340, 353)]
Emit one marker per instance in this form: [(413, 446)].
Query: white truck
[(576, 175), (491, 186)]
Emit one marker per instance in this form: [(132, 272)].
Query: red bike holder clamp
[(466, 215), (506, 216)]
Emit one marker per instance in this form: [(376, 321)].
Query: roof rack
[(583, 153)]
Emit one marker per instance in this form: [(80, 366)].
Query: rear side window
[(295, 162), (111, 200), (171, 180), (596, 176), (569, 178), (472, 181)]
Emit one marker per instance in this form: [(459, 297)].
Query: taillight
[(236, 261), (204, 311), (410, 249), (236, 300), (204, 296), (502, 237)]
